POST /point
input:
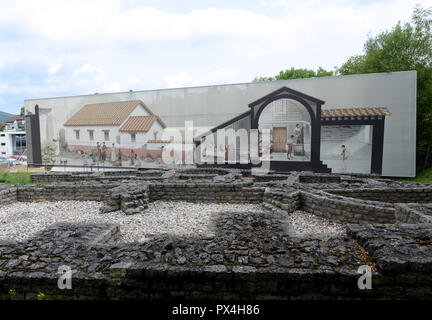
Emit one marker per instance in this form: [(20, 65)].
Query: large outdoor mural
[(301, 136)]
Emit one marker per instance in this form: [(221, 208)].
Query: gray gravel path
[(307, 224), (23, 220)]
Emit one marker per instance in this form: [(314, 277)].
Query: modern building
[(373, 115), (12, 142), (15, 122)]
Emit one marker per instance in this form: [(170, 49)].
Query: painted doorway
[(279, 139)]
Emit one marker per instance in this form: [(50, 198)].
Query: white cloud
[(53, 68), (218, 76), (180, 79), (87, 69), (223, 75), (114, 45), (107, 23), (112, 87)]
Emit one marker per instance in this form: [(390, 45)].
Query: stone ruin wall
[(147, 271)]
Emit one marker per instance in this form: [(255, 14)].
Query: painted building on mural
[(114, 130), (294, 123), (372, 115)]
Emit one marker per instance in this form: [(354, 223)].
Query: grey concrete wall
[(212, 105)]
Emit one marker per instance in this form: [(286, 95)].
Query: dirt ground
[(20, 168)]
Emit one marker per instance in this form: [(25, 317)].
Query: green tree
[(406, 47), (296, 74), (22, 111), (49, 150)]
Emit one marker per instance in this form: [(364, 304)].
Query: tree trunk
[(427, 157)]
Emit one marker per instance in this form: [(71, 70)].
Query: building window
[(3, 144), (77, 134), (2, 134), (91, 136), (278, 106), (106, 135), (3, 152), (133, 137)]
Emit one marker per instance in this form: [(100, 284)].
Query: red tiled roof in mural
[(110, 113), (140, 124), (355, 112)]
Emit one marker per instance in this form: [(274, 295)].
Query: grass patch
[(16, 177), (422, 177)]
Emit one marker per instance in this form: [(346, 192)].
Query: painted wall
[(358, 142), (211, 105)]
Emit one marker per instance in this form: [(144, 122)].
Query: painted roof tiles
[(110, 113), (140, 124), (355, 112)]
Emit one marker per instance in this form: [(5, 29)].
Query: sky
[(74, 47)]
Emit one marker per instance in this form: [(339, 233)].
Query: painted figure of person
[(298, 134), (92, 155), (290, 143), (137, 161), (231, 153), (344, 154), (132, 157), (119, 155), (104, 149), (113, 154), (98, 151)]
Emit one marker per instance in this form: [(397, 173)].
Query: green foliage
[(354, 65), (296, 74), (406, 47), (49, 150), (261, 79), (15, 177), (12, 294), (22, 111), (422, 177), (18, 177), (40, 296)]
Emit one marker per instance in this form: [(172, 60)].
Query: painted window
[(77, 136), (106, 135), (91, 135), (133, 137), (278, 106)]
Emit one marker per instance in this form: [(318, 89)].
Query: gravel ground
[(22, 220), (307, 224)]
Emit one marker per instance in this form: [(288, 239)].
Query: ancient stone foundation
[(252, 255)]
